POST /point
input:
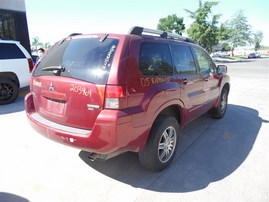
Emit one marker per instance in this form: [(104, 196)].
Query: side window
[(205, 63), (10, 51), (183, 60), (155, 59)]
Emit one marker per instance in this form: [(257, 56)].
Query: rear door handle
[(206, 78)]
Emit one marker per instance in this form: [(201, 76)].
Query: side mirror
[(221, 69)]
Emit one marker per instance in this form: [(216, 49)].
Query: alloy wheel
[(167, 144)]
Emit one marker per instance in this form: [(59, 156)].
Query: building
[(13, 22)]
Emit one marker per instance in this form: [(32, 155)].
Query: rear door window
[(86, 59), (10, 51), (155, 59)]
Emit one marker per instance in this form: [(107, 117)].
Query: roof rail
[(136, 30), (74, 34)]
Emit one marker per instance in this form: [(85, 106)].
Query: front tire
[(219, 112), (8, 91), (161, 146)]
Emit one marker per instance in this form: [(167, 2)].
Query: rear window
[(86, 59), (10, 51)]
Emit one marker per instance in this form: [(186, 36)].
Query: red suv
[(111, 93)]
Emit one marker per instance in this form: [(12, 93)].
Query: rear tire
[(219, 112), (160, 148), (8, 91)]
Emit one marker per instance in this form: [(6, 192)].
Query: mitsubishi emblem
[(51, 88)]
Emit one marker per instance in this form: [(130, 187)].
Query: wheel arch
[(10, 75), (227, 86), (172, 110)]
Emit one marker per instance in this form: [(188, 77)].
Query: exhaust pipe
[(94, 156), (102, 157)]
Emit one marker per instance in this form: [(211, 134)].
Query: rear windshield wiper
[(55, 69), (103, 38)]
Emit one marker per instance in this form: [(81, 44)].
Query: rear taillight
[(31, 64), (115, 97)]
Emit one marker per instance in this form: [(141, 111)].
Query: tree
[(203, 30), (35, 43), (225, 47), (171, 23), (258, 36), (46, 45), (223, 32), (240, 31)]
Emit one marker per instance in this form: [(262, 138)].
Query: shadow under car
[(209, 150)]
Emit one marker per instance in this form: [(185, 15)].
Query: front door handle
[(186, 81)]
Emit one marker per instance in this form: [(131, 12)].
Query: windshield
[(86, 59)]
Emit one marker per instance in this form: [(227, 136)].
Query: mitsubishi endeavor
[(112, 93)]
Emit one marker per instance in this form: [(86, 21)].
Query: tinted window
[(205, 63), (10, 51), (155, 59), (183, 60), (7, 25), (84, 58)]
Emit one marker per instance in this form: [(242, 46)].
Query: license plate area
[(56, 107)]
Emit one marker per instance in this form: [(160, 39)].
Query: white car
[(217, 55), (16, 65)]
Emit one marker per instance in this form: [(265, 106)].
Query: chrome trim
[(92, 107), (57, 126), (51, 87)]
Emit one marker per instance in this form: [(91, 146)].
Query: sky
[(52, 20)]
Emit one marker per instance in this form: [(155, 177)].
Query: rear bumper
[(112, 132)]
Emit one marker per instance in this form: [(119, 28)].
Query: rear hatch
[(69, 81)]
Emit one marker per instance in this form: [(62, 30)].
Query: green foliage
[(258, 36), (171, 23), (225, 47), (46, 45), (205, 30), (35, 44), (240, 30), (223, 32)]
